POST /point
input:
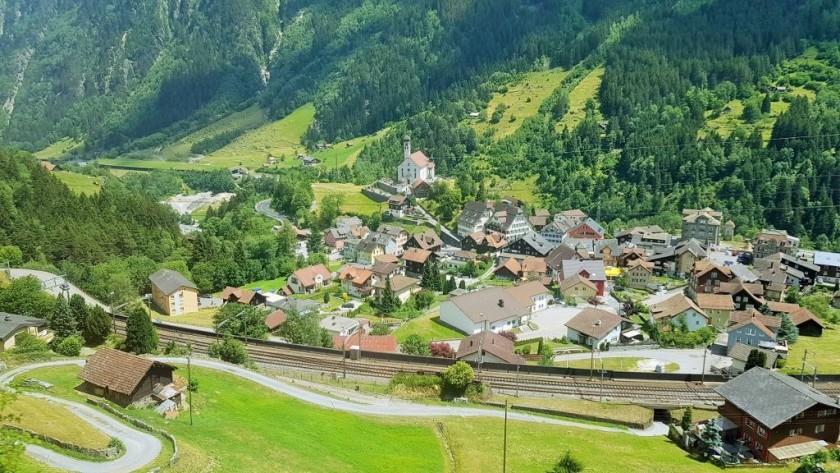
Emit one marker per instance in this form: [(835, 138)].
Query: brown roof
[(673, 306), (532, 264), (755, 321), (524, 292), (492, 239), (306, 276), (704, 266), (538, 220), (398, 283), (243, 296), (427, 239), (490, 305), (397, 199), (416, 255), (492, 343), (574, 281), (118, 371), (386, 259), (420, 159), (576, 213), (767, 320), (785, 307), (641, 264), (355, 275), (594, 322), (511, 265), (47, 165), (275, 319), (798, 315), (383, 269), (378, 343), (715, 302)]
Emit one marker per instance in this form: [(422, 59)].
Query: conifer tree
[(62, 322), (140, 335), (96, 327)]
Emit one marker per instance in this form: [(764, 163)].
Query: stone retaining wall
[(575, 415), (142, 425), (91, 452)]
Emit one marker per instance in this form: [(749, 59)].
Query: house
[(509, 270), (48, 165), (770, 242), (703, 225), (594, 328), (377, 343), (786, 269), (510, 221), (12, 325), (649, 236), (357, 282), (829, 265), (778, 417), (481, 242), (495, 308), (563, 252), (415, 261), (678, 260), (554, 232), (308, 280), (341, 326), (243, 296), (534, 269), (677, 309), (374, 245), (420, 188), (172, 293), (573, 213), (402, 286), (488, 347), (608, 251), (384, 269), (578, 287), (744, 295), (589, 229), (301, 306), (123, 378), (743, 273), (425, 240), (399, 234), (540, 219), (397, 205), (752, 328), (531, 244), (415, 165), (630, 254), (718, 307), (740, 353), (639, 274), (809, 325), (474, 217), (462, 257), (592, 270), (707, 277), (275, 319)]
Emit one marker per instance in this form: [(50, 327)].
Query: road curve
[(44, 277), (141, 448), (264, 207)]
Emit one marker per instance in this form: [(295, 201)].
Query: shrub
[(457, 378), (230, 350), (442, 350), (70, 346), (193, 385), (26, 343)]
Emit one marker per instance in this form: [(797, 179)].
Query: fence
[(110, 452)]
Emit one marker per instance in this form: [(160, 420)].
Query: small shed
[(123, 378)]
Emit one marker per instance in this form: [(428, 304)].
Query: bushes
[(415, 386), (70, 346), (230, 350), (457, 378), (442, 350)]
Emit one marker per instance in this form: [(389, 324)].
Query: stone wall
[(91, 452)]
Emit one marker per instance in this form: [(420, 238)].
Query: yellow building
[(172, 293)]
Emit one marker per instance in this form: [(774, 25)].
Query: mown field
[(587, 89), (429, 327), (248, 118), (79, 183), (354, 201), (240, 426)]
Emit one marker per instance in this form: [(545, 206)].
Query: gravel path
[(141, 448)]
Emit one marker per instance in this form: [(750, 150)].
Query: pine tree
[(788, 331), (687, 420), (756, 358), (711, 436), (428, 280), (79, 309), (437, 280), (462, 284), (62, 322), (765, 105), (96, 327), (388, 301), (140, 335)]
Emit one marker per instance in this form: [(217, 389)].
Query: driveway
[(661, 296), (551, 323), (53, 284), (141, 448), (690, 360)]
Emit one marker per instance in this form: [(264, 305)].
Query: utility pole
[(189, 387), (504, 453), (517, 380), (804, 358), (703, 370), (592, 361), (481, 343), (601, 396), (344, 357)]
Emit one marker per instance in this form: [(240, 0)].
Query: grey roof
[(537, 242), (301, 306), (610, 243), (790, 260), (9, 328), (741, 352), (511, 212), (771, 398), (743, 273), (824, 258), (169, 281), (473, 212), (595, 268)]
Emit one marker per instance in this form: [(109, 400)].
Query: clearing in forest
[(587, 89)]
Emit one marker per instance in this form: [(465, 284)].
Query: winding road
[(141, 448)]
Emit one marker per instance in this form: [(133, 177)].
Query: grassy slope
[(149, 164), (536, 86), (57, 150), (522, 190), (354, 201), (429, 327), (79, 183), (585, 90), (243, 427), (617, 364), (823, 353), (249, 118), (346, 152), (55, 421)]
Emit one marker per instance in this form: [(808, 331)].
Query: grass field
[(823, 353), (614, 412), (57, 150), (79, 183), (268, 285), (615, 364), (346, 152), (152, 164), (55, 421), (354, 201), (202, 318), (429, 327), (242, 427), (248, 118), (522, 190), (522, 99), (585, 90)]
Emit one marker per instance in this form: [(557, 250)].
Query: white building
[(495, 308), (594, 328), (341, 326), (415, 165)]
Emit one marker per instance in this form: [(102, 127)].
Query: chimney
[(501, 302), (598, 323), (8, 317)]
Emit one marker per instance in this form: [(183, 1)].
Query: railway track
[(664, 392)]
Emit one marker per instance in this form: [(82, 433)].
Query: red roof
[(378, 343), (275, 319), (421, 160)]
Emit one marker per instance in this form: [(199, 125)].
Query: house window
[(818, 429), (826, 412), (794, 432), (801, 415), (758, 447), (762, 431), (750, 331), (750, 423)]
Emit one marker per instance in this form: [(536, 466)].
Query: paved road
[(448, 237), (264, 207), (690, 360), (141, 448), (54, 289)]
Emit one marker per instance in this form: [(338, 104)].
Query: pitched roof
[(386, 259), (398, 283), (574, 213), (355, 274), (594, 322), (10, 324), (420, 159), (397, 199), (715, 302), (524, 292), (771, 398), (473, 212), (498, 303), (47, 165), (713, 218), (416, 255), (377, 343), (511, 264), (118, 371), (307, 275), (595, 269), (427, 239), (674, 306), (492, 343), (244, 296), (574, 281), (741, 352), (739, 320), (537, 242), (704, 266), (382, 268), (646, 265), (532, 264), (538, 220), (275, 319), (169, 281), (802, 315), (824, 258)]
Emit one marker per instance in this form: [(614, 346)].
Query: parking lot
[(551, 323)]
